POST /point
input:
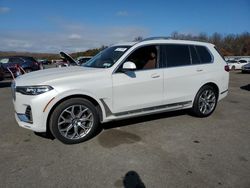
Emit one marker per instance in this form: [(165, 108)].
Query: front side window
[(107, 58), (177, 55), (145, 57)]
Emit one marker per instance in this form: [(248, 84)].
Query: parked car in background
[(83, 59), (1, 74), (66, 61), (61, 63), (44, 61), (11, 63), (245, 68), (236, 65), (123, 81)]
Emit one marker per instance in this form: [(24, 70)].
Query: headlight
[(33, 90)]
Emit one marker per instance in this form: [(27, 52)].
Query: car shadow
[(126, 122), (47, 135), (145, 118), (246, 87), (5, 84)]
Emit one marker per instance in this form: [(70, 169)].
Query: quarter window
[(205, 56)]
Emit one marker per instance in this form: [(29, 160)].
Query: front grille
[(28, 113)]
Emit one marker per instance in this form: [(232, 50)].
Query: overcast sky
[(71, 26)]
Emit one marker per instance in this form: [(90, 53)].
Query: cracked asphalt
[(165, 150)]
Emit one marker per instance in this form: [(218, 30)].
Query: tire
[(27, 70), (41, 67), (205, 101), (74, 120)]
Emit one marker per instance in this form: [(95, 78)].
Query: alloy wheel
[(75, 122), (207, 101)]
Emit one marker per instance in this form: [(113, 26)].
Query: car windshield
[(107, 58), (29, 59)]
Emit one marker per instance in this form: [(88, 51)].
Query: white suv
[(122, 81)]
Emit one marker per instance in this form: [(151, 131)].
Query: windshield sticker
[(106, 65), (121, 49)]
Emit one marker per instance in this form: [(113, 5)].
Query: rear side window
[(177, 55), (204, 54)]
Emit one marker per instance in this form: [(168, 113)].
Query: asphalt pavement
[(163, 151)]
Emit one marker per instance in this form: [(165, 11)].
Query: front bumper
[(35, 118)]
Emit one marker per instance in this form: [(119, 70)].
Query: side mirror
[(129, 66)]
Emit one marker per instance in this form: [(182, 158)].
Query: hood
[(51, 75), (68, 58)]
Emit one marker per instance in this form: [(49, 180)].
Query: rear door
[(182, 75)]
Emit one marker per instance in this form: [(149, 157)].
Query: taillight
[(227, 68)]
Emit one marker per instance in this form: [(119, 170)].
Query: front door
[(141, 88)]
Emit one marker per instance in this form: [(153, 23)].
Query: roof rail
[(155, 38)]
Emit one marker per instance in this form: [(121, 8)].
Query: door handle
[(155, 76), (199, 70)]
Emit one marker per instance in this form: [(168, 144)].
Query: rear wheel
[(74, 121), (27, 70), (205, 101)]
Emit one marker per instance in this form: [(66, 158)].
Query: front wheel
[(205, 101), (27, 70), (74, 120)]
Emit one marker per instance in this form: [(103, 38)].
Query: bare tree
[(137, 39)]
